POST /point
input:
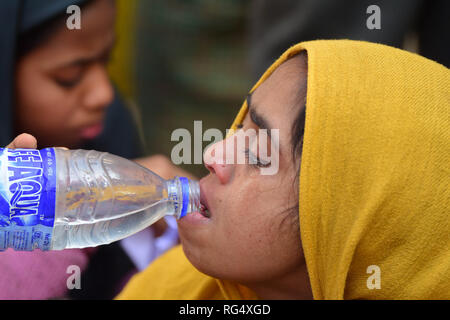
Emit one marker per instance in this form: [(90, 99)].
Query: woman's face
[(252, 234), (62, 86)]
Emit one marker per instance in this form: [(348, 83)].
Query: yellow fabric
[(172, 276), (121, 68), (375, 180)]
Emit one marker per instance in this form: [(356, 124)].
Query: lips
[(92, 131), (204, 207), (204, 211)]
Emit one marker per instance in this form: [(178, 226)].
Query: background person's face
[(62, 86), (252, 234)]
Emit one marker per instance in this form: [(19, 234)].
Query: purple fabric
[(37, 275)]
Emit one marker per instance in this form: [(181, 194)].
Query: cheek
[(40, 102), (255, 243), (251, 217), (262, 212)]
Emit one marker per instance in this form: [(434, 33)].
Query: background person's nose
[(100, 92)]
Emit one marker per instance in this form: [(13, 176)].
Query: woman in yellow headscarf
[(372, 166), (359, 207), (371, 219)]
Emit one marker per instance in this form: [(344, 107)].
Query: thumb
[(23, 141)]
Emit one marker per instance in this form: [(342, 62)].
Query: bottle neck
[(185, 195)]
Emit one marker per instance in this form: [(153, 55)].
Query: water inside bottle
[(107, 231), (103, 231), (119, 194), (110, 228), (102, 198)]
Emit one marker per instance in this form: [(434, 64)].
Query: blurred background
[(178, 61), (181, 61)]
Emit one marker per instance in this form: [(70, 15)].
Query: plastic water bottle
[(53, 199)]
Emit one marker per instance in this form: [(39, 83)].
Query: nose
[(99, 90), (215, 160)]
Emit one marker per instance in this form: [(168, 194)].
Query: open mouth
[(204, 207), (204, 211)]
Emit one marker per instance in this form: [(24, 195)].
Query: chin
[(211, 265), (67, 142), (200, 259)]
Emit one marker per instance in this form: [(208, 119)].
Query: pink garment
[(38, 275)]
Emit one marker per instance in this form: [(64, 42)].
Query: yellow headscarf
[(375, 181)]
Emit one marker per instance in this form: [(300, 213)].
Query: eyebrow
[(257, 119)]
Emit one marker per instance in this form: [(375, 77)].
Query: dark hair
[(298, 130), (298, 127), (297, 133), (38, 35)]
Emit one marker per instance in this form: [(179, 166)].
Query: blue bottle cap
[(185, 195)]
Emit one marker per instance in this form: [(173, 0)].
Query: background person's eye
[(70, 76), (68, 83)]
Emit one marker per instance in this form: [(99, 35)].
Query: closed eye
[(255, 161)]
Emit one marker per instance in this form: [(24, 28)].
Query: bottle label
[(27, 198)]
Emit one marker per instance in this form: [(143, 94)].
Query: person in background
[(55, 86)]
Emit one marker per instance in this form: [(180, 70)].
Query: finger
[(23, 141)]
